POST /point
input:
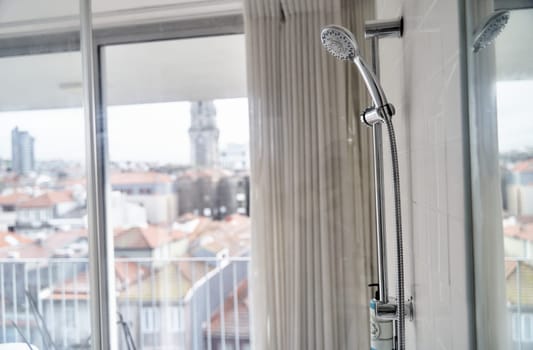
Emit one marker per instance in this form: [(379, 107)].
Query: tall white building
[(22, 152), (204, 134)]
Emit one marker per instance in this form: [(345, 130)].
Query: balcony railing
[(182, 303)]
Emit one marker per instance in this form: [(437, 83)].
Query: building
[(213, 193), (8, 205), (39, 212), (235, 156), (203, 134), (126, 214), (519, 290), (520, 189), (22, 152), (231, 323), (150, 242), (518, 238), (154, 191)]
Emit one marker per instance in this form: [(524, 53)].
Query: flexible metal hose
[(399, 235)]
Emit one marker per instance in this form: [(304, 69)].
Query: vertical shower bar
[(377, 137), (101, 274)]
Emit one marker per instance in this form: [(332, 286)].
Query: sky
[(515, 116), (150, 132), (158, 132)]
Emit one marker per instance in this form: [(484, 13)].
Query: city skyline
[(155, 132)]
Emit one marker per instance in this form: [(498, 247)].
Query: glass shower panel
[(514, 91), (44, 291)]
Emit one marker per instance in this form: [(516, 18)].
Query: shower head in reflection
[(490, 29), (341, 43)]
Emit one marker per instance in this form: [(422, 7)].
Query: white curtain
[(312, 207)]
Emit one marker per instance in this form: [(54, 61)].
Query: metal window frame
[(92, 44), (67, 41), (513, 4)]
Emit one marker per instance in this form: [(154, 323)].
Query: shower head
[(490, 29), (341, 43)]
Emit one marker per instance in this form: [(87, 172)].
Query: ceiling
[(22, 16), (164, 71), (514, 47), (158, 71)]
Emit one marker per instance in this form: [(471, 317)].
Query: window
[(522, 328), (515, 325), (150, 319), (171, 113), (175, 321), (527, 328), (42, 162)]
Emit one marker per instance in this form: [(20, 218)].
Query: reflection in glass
[(514, 91)]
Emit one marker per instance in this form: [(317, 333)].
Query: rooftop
[(9, 239), (47, 199), (523, 231), (144, 237), (523, 166), (55, 245), (519, 284), (131, 178), (14, 198), (233, 322)]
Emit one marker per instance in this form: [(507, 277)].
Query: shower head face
[(490, 29), (339, 42)]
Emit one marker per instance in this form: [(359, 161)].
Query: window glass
[(514, 88), (178, 141), (43, 227)]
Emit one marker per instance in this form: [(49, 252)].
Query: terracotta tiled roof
[(47, 199), (14, 198), (520, 231), (142, 238), (233, 233), (524, 166), (139, 178), (126, 273), (230, 318), (510, 266), (9, 239), (45, 248)]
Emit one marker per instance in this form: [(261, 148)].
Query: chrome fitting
[(373, 115), (384, 28), (386, 311)]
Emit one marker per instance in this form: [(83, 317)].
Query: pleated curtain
[(312, 207)]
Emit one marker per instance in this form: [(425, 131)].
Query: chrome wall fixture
[(341, 43)]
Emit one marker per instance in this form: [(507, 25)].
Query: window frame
[(92, 44)]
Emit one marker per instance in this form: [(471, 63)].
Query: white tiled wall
[(421, 76)]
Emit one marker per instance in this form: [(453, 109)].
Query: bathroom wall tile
[(421, 70), (458, 292), (441, 175), (455, 177), (451, 102)]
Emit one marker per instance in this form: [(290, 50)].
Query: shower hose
[(399, 235)]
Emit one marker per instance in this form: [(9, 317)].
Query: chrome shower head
[(339, 42), (490, 29)]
